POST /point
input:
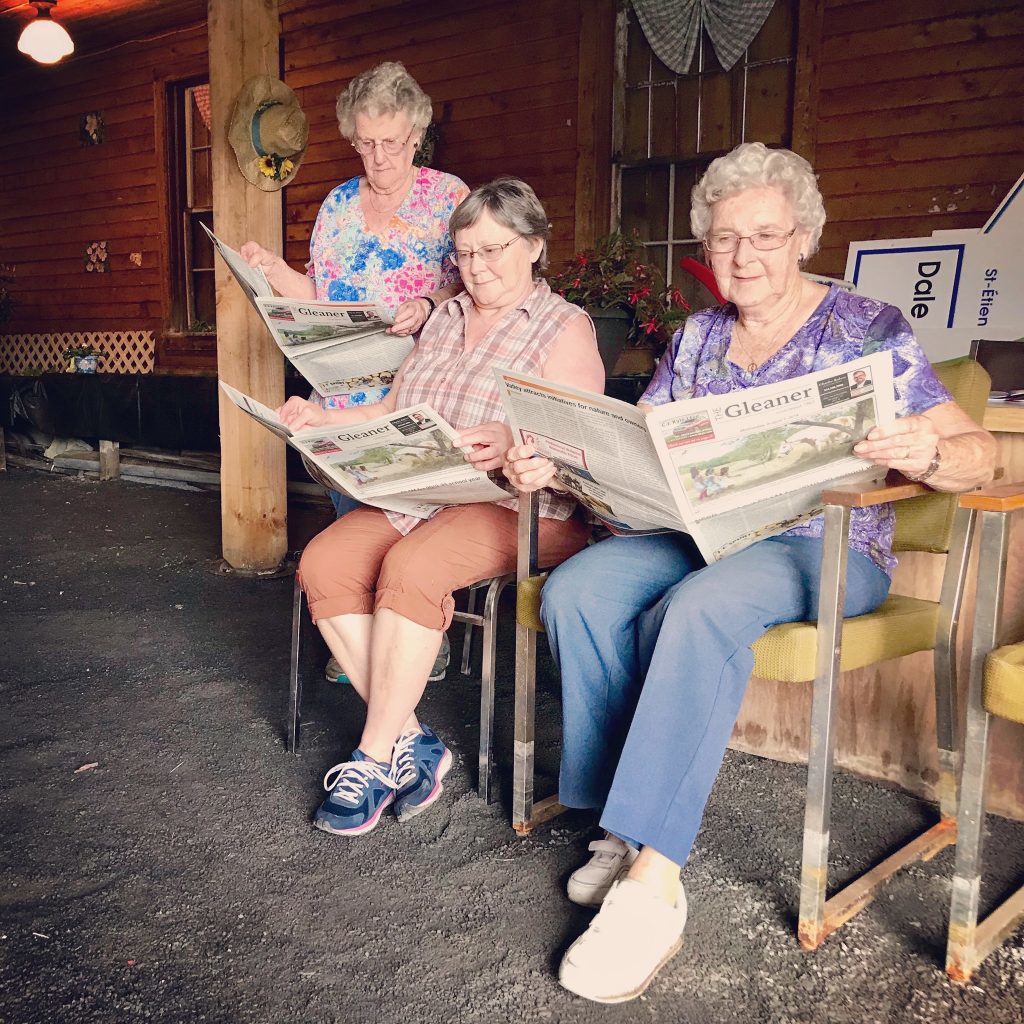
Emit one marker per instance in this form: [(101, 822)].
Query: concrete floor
[(178, 878)]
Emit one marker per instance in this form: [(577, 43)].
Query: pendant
[(751, 367)]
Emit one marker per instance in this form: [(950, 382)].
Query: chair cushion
[(899, 626), (528, 602), (1003, 692)]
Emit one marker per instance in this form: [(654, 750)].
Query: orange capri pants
[(361, 563)]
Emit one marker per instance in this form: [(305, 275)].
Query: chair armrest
[(895, 488), (1004, 498)]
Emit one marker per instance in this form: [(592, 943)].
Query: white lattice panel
[(123, 351)]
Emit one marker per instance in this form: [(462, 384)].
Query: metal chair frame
[(818, 915), (971, 940), (486, 620)]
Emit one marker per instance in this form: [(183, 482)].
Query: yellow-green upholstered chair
[(817, 652), (995, 687)]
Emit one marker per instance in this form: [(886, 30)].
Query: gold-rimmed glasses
[(365, 147), (763, 241), (488, 253)]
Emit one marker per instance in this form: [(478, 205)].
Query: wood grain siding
[(59, 196), (920, 111), (502, 78)]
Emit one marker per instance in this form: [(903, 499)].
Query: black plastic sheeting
[(148, 410)]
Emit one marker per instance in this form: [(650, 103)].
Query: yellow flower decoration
[(286, 168), (267, 167)]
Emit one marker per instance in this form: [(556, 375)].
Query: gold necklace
[(386, 209)]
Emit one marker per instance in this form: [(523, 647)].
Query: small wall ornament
[(91, 128), (95, 259)]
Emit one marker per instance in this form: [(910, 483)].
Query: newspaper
[(727, 469), (339, 347), (405, 461)]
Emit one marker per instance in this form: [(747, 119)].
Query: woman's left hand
[(489, 442), (908, 446), (410, 316)]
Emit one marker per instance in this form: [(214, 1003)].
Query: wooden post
[(243, 41), (110, 460)]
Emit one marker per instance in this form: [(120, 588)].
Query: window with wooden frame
[(193, 296), (670, 127)]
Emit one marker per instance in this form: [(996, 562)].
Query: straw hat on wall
[(268, 132)]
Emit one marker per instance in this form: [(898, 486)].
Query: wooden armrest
[(1003, 498), (895, 488)]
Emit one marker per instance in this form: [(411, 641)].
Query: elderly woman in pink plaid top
[(380, 584)]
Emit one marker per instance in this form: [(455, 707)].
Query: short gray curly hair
[(386, 89), (514, 205), (754, 165)]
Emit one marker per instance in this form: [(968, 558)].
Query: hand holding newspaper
[(727, 469), (404, 461), (339, 347)]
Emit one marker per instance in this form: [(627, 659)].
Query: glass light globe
[(44, 40)]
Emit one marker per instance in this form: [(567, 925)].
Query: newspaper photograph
[(727, 469), (405, 461), (341, 348)]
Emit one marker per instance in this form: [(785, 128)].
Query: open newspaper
[(405, 461), (727, 469), (339, 347)]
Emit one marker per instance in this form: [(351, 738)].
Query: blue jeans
[(342, 503), (654, 651)]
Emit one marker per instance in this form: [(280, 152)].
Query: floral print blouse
[(842, 328), (348, 263)]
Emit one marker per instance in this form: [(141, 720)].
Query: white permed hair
[(754, 165), (386, 89)]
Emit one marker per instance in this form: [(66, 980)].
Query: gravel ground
[(178, 879)]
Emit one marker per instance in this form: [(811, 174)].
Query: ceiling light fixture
[(42, 38)]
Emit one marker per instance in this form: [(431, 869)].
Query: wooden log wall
[(58, 196), (917, 110), (502, 77)]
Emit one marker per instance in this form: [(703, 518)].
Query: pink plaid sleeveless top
[(460, 385)]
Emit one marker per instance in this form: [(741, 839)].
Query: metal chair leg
[(818, 811), (487, 670), (295, 681), (467, 639), (968, 944)]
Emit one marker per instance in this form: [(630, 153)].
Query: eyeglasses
[(763, 241), (488, 253), (365, 147)]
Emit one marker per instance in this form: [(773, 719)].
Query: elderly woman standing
[(654, 646), (380, 584), (382, 236)]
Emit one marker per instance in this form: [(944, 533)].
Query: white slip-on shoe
[(611, 859), (633, 936)]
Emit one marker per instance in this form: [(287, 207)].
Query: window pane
[(687, 110), (202, 183), (663, 119), (660, 72), (204, 298), (634, 142), (686, 178), (769, 104), (638, 55), (716, 113), (777, 37), (645, 201), (657, 256), (201, 255)]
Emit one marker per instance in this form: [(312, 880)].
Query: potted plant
[(81, 358), (627, 297)]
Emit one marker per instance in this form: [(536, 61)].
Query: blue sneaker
[(420, 762), (358, 791)]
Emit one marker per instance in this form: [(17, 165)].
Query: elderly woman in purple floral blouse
[(654, 646)]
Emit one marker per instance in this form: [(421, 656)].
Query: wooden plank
[(956, 142), (805, 86), (881, 14), (244, 42)]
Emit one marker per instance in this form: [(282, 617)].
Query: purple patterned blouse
[(844, 327)]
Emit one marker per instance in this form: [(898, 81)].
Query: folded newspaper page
[(339, 347), (405, 461), (727, 469)]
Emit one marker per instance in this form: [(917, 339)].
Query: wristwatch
[(931, 470), (430, 302)]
